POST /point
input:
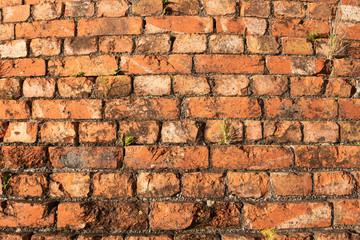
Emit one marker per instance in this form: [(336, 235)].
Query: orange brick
[(177, 24), (253, 130), (15, 157), (24, 132), (11, 109), (45, 46), (74, 185), (13, 49), (255, 9), (58, 132), (298, 27), (203, 185), (350, 131), (5, 3), (7, 31), (147, 7), (279, 64), (306, 86), (47, 10), (219, 7), (112, 8), (346, 212), (152, 237), (152, 85), (85, 8), (113, 185), (292, 184), (345, 67), (325, 236), (226, 44), (40, 29), (262, 44), (27, 185), (297, 46), (80, 45), (153, 43), (234, 25), (116, 44), (282, 131), (179, 132), (349, 108), (322, 11), (189, 85), (39, 87), (97, 132), (9, 236), (333, 183), (144, 132), (51, 237), (248, 185), (283, 9), (354, 49), (231, 85), (184, 7), (152, 184), (112, 86), (10, 88), (269, 85), (26, 67), (3, 129), (109, 26), (317, 132), (18, 13), (189, 43), (73, 87)]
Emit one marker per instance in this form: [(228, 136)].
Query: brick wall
[(222, 119)]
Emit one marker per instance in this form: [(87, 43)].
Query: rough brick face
[(113, 185), (152, 184)]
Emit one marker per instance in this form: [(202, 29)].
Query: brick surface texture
[(179, 119)]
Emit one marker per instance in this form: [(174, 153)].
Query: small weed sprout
[(225, 129), (117, 71), (244, 33), (104, 84), (6, 179), (165, 6), (269, 234), (125, 141), (335, 43), (313, 36), (80, 74)]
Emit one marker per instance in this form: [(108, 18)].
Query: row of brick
[(180, 132), (247, 157), (198, 185), (179, 215)]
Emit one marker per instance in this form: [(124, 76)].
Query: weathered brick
[(40, 29), (284, 9), (9, 236), (248, 185), (308, 108), (23, 214), (175, 157), (191, 85), (19, 13), (58, 132), (323, 11), (211, 107), (287, 215), (282, 131), (27, 185), (51, 237), (113, 185), (103, 215), (152, 237), (350, 131), (347, 68), (317, 132), (356, 175), (145, 109), (254, 130), (86, 157), (236, 237), (226, 44), (63, 109), (189, 43), (7, 31), (39, 87), (152, 184), (179, 132), (349, 13), (116, 44), (3, 128), (219, 7), (347, 30), (346, 212), (349, 108), (231, 85), (84, 8), (141, 64), (153, 43), (262, 44), (47, 10), (112, 8), (196, 236), (91, 66), (26, 67), (45, 46), (292, 184), (183, 7), (15, 157), (109, 26), (10, 88), (97, 132), (251, 157), (113, 86), (339, 87), (92, 237), (306, 86), (334, 235), (234, 25), (279, 64), (24, 132), (269, 85), (75, 87), (215, 134), (297, 46), (12, 109), (298, 27), (80, 45), (229, 64), (144, 132), (13, 49), (177, 24), (5, 3), (69, 185), (333, 183), (146, 7), (152, 85), (354, 49), (255, 9), (203, 185)]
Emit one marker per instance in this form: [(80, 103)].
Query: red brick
[(9, 236), (307, 108), (220, 107), (279, 64), (298, 27), (58, 132), (5, 3), (91, 66), (146, 7), (231, 85), (347, 68), (153, 43), (97, 132), (179, 132), (10, 88), (229, 64), (191, 85), (51, 237), (12, 109), (141, 64), (144, 132), (64, 109), (3, 128), (219, 7), (350, 131), (306, 86), (15, 157), (18, 13), (75, 87), (297, 46), (251, 157), (80, 45), (196, 236), (325, 236), (234, 25), (175, 157), (262, 44), (317, 132), (109, 26), (349, 108), (255, 9), (253, 130), (144, 109), (282, 131), (40, 29), (84, 8), (183, 7), (348, 2), (86, 157), (179, 24), (214, 134), (248, 185), (203, 185), (116, 44), (113, 86), (236, 237), (269, 85), (7, 31), (226, 44), (39, 87), (346, 212), (112, 8), (26, 67), (321, 11), (152, 184), (152, 237), (22, 214), (27, 185), (189, 43), (13, 49), (47, 10), (113, 185), (152, 85), (283, 9), (292, 184), (74, 185), (103, 215), (339, 87), (24, 132), (92, 237), (348, 30), (45, 46), (287, 215), (333, 183), (354, 49)]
